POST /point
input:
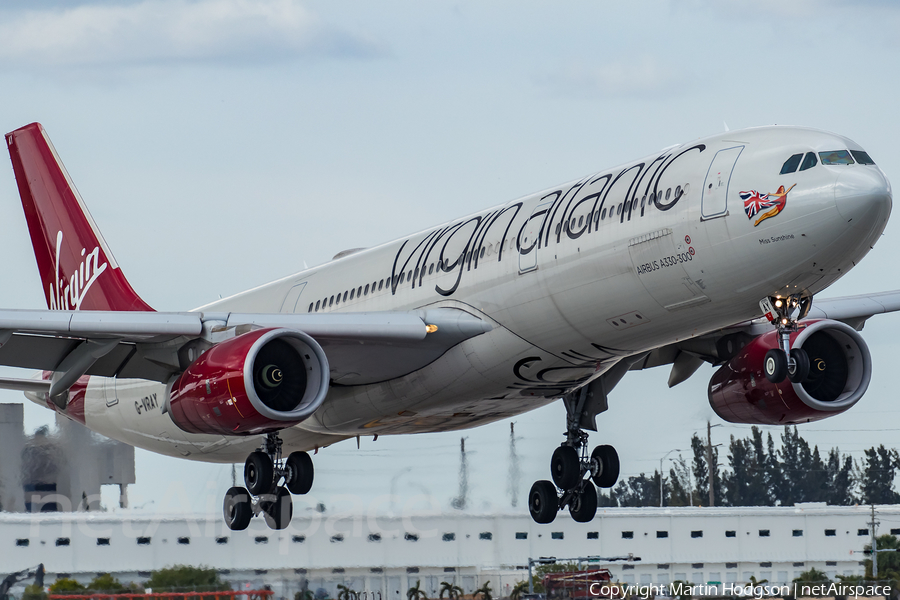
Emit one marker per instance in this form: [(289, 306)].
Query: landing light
[(778, 303), (430, 328)]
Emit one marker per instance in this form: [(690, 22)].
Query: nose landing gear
[(263, 470), (784, 361), (574, 474)]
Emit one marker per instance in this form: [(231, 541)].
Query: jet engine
[(840, 368), (257, 382)]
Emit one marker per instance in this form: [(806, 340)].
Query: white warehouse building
[(387, 555)]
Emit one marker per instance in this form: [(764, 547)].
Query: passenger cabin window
[(791, 164), (862, 158), (836, 157), (809, 161)]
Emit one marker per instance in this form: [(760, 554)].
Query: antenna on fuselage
[(726, 126)]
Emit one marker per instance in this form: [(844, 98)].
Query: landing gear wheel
[(584, 507), (237, 508), (800, 370), (543, 503), (775, 365), (259, 473), (299, 479), (604, 466), (565, 467), (279, 509)]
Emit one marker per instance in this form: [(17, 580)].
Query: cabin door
[(714, 202)]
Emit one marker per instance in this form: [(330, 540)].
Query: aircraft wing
[(361, 347)]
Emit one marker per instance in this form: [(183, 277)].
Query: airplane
[(710, 251)]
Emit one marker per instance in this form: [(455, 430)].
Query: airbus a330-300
[(711, 251)]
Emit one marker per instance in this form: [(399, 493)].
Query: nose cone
[(862, 195)]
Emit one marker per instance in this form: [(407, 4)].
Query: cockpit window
[(790, 165), (809, 161), (862, 158), (836, 157)]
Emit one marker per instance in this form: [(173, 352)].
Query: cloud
[(159, 31), (643, 76)]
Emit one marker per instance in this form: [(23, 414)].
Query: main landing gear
[(262, 472), (785, 361), (574, 473)]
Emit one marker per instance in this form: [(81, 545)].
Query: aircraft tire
[(801, 366), (565, 467), (775, 365), (543, 503), (279, 510), (301, 473), (237, 509), (605, 466), (259, 473), (584, 509)]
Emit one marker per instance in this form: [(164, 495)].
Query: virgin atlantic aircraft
[(711, 251)]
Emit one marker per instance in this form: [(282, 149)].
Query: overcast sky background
[(221, 143)]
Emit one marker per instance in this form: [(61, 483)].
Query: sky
[(221, 144)]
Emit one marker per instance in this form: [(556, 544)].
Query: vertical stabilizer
[(77, 269)]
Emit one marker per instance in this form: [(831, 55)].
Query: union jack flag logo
[(767, 204)]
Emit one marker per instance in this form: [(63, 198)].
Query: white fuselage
[(572, 279)]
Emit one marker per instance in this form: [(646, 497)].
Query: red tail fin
[(77, 269)]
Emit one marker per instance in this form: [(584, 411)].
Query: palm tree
[(453, 591), (346, 593), (485, 591), (414, 593), (518, 590)]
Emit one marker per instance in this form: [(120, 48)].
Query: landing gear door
[(529, 237), (714, 201)]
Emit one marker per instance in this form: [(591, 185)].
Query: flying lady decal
[(772, 204)]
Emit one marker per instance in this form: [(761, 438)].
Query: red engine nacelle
[(258, 382), (840, 368)]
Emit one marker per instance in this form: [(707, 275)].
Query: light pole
[(661, 473)]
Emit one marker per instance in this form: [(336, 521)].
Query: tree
[(485, 591), (774, 474), (34, 592), (877, 481), (737, 483), (345, 593), (452, 590), (66, 586), (701, 471), (888, 562), (813, 575), (518, 590), (105, 582), (839, 486), (639, 490), (413, 593), (680, 489), (186, 578)]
